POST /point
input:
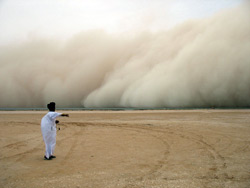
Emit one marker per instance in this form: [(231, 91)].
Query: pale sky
[(20, 20)]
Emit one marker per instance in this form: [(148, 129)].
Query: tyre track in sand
[(71, 149), (76, 135), (158, 135), (217, 161), (10, 148)]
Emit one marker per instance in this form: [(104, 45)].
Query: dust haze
[(199, 63)]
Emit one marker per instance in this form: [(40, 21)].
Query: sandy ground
[(188, 148)]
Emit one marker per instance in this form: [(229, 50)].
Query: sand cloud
[(200, 63)]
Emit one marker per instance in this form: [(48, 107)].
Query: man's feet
[(52, 156), (45, 158)]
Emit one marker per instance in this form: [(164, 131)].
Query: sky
[(20, 20)]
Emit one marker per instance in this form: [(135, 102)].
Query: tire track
[(217, 161), (24, 153), (65, 159), (19, 143), (197, 139), (142, 130)]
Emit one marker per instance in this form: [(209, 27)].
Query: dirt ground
[(128, 149)]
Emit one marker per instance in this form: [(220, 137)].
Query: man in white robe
[(48, 127)]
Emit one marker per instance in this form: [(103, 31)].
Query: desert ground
[(128, 149)]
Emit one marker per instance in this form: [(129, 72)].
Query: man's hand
[(66, 115), (57, 121)]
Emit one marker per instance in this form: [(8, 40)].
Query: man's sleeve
[(54, 115)]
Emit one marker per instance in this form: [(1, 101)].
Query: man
[(48, 127)]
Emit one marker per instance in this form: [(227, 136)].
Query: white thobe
[(48, 127)]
